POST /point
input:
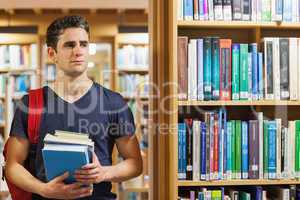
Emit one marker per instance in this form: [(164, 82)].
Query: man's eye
[(84, 45), (70, 45)]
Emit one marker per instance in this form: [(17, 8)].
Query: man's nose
[(78, 50)]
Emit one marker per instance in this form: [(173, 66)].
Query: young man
[(75, 103)]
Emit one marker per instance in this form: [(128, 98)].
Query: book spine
[(203, 151), (233, 149), (216, 147), (237, 9), (218, 9), (211, 13), (229, 150), (207, 120), (180, 9), (215, 69), (225, 53), (238, 147), (246, 10), (278, 147), (207, 69), (220, 143), (180, 170), (272, 149), (196, 10), (235, 72), (227, 10), (268, 51), (266, 10), (253, 50), (253, 149), (188, 9), (245, 158), (189, 149), (201, 9), (196, 150), (287, 10), (200, 91), (211, 141), (297, 149), (261, 143), (278, 10), (250, 76), (244, 94), (260, 77), (254, 10), (284, 68), (182, 67), (292, 83)]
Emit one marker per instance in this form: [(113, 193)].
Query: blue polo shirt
[(100, 113)]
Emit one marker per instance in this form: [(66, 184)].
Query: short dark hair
[(57, 27)]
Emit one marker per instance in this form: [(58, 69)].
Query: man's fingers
[(90, 166), (61, 178), (86, 172)]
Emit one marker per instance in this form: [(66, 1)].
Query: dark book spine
[(189, 148), (182, 67), (284, 68), (237, 9), (253, 149)]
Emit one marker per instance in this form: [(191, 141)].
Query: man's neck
[(71, 88)]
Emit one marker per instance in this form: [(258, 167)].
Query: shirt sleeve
[(19, 123), (123, 123)]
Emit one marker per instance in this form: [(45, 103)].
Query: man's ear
[(51, 54)]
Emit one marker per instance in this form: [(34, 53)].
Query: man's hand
[(57, 189), (92, 173)]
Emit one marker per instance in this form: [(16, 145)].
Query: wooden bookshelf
[(240, 103), (237, 182), (237, 24), (133, 70), (164, 31)]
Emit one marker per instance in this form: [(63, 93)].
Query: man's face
[(72, 51)]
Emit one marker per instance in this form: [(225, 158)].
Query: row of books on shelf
[(246, 10), (18, 56), (249, 193), (134, 84), (49, 72), (18, 84), (133, 56), (220, 149), (211, 68)]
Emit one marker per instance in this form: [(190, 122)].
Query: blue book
[(272, 149), (229, 149), (207, 69), (215, 82), (287, 10), (245, 157), (181, 128), (183, 151), (253, 50), (278, 9), (188, 9), (200, 86), (250, 76), (260, 76), (201, 9), (224, 143), (200, 196), (61, 158), (203, 151)]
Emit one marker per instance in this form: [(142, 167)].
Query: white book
[(196, 150), (278, 148), (211, 10), (254, 10), (295, 9), (293, 82), (56, 139), (227, 12), (258, 10), (218, 10), (192, 62), (273, 10)]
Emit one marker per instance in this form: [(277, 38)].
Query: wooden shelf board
[(136, 70), (240, 103), (237, 24), (20, 69), (134, 97), (17, 38), (237, 182)]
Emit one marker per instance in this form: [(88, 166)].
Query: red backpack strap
[(35, 105)]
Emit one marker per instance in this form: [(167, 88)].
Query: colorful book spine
[(215, 68), (233, 149), (272, 149), (297, 150), (238, 149), (253, 50), (245, 164), (188, 9), (260, 77), (229, 150), (235, 71), (203, 151), (207, 69), (225, 71), (266, 150), (244, 94), (200, 91)]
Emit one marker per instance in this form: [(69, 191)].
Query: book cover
[(272, 149), (59, 159), (215, 68), (235, 71), (238, 149), (284, 68), (225, 69), (237, 9), (207, 69), (188, 10), (200, 91), (253, 150), (244, 94), (182, 65), (253, 50), (245, 157)]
